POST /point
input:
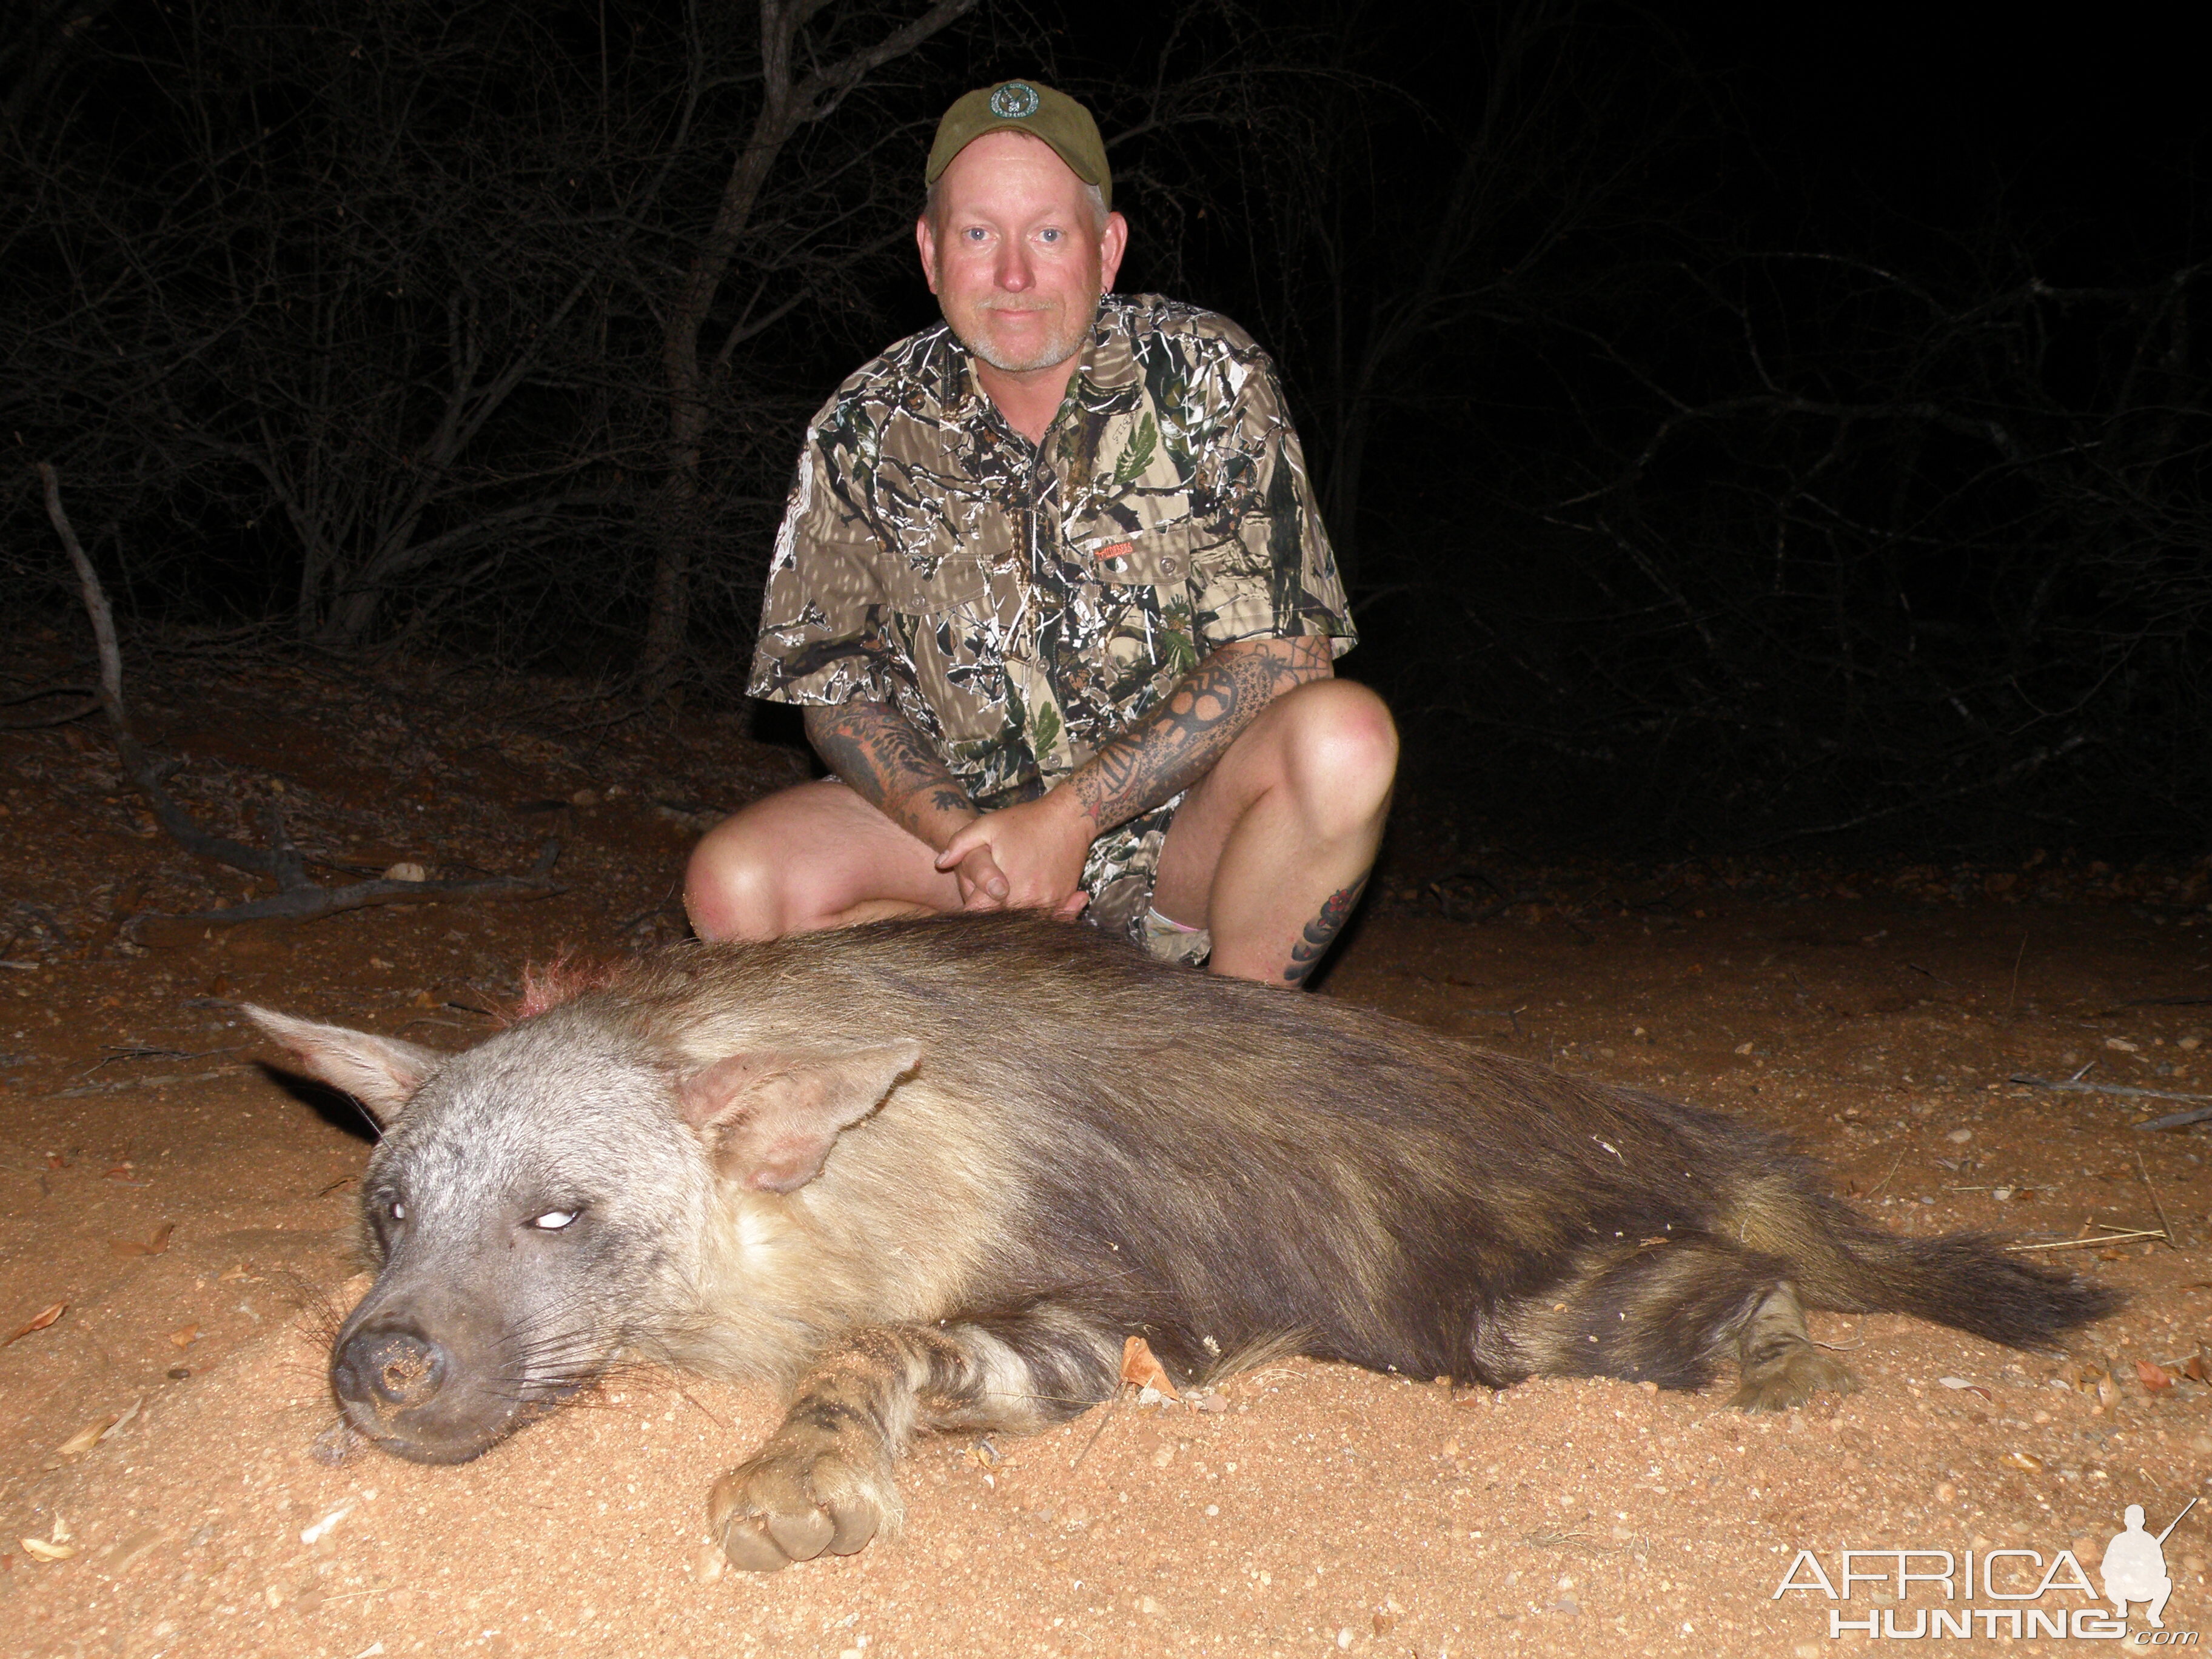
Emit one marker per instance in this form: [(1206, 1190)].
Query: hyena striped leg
[(824, 1479)]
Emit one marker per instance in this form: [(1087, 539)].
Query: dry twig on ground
[(297, 898), (2172, 1121)]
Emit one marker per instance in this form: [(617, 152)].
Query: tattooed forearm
[(1180, 741), (1321, 933), (875, 751)]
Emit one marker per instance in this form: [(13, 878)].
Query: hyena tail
[(1964, 1280)]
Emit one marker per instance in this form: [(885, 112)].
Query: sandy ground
[(188, 1214)]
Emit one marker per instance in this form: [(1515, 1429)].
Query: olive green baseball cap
[(1028, 107)]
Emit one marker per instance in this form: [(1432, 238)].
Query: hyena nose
[(389, 1369)]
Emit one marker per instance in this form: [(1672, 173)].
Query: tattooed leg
[(1321, 933), (824, 1479)]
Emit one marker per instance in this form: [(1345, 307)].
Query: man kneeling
[(1054, 592)]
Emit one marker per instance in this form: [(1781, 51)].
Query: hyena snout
[(416, 1397), (390, 1370)]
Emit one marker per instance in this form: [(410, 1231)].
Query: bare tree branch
[(297, 898)]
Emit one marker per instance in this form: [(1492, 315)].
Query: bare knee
[(763, 873), (1340, 753), (734, 887)]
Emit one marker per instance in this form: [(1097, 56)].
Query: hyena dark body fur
[(931, 1174)]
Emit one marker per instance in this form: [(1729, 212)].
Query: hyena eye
[(395, 1209), (553, 1221)]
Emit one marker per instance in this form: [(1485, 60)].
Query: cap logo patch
[(1014, 101)]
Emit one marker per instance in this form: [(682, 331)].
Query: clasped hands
[(1028, 857)]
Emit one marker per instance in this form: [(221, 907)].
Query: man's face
[(1015, 253)]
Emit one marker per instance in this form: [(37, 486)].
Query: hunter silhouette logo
[(2133, 1567)]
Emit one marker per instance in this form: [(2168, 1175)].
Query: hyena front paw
[(792, 1502)]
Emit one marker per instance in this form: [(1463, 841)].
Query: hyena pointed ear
[(380, 1072), (770, 1118)]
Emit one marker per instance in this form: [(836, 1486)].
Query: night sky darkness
[(2089, 126), (1773, 504)]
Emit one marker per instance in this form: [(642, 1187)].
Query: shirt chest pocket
[(938, 562), (1132, 604), (956, 583), (940, 614), (1157, 556)]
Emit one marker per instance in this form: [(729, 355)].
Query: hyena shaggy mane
[(931, 1174)]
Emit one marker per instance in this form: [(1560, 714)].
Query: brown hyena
[(931, 1174)]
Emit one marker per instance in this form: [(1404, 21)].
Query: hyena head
[(520, 1210), (538, 1203)]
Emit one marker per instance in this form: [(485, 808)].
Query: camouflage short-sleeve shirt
[(1019, 603)]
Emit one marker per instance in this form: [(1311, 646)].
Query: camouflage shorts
[(1119, 874)]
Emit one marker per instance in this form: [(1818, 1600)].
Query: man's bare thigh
[(824, 842)]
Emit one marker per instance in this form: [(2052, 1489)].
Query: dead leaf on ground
[(39, 1320), (1141, 1369), (184, 1335), (128, 1551), (2027, 1461), (2153, 1377), (153, 1246), (39, 1550), (87, 1437)]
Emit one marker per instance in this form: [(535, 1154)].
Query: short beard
[(1057, 349)]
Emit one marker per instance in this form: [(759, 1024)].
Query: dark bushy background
[(1736, 432)]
